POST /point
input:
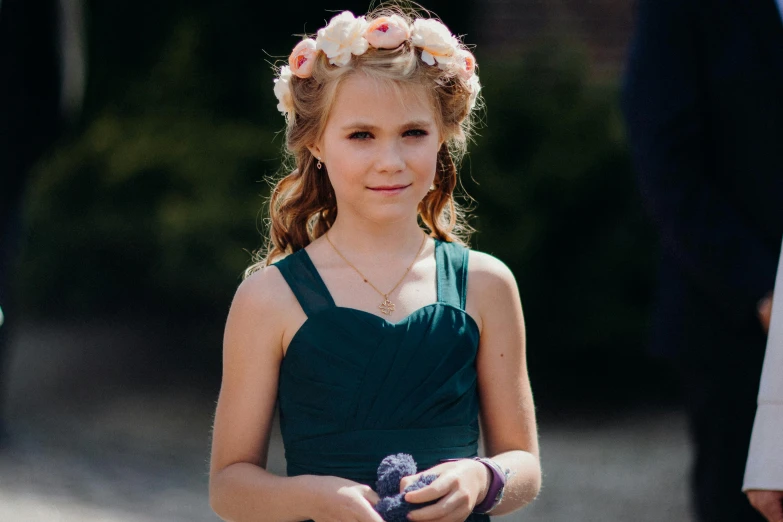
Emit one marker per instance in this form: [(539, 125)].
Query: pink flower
[(388, 32), (465, 63), (302, 58)]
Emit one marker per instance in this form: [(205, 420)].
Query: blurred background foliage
[(151, 204)]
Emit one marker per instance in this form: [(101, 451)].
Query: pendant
[(387, 307)]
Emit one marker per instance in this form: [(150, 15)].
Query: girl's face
[(380, 148)]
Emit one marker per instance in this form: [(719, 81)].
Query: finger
[(410, 479), (407, 481), (445, 509), (368, 513), (371, 496), (439, 487), (371, 516)]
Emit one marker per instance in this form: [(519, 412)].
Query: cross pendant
[(387, 307)]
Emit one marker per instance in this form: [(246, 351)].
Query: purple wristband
[(496, 485)]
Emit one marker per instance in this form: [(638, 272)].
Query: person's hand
[(768, 503), (765, 312), (459, 487), (340, 500)]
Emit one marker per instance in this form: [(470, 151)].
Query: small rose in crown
[(436, 42), (474, 87), (343, 37), (283, 90), (388, 32), (302, 58), (465, 63)]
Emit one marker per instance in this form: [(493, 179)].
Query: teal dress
[(355, 387)]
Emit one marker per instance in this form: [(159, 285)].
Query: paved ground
[(90, 444)]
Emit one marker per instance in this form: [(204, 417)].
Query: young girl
[(369, 320)]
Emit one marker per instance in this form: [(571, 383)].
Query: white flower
[(474, 87), (343, 37), (436, 42), (283, 90)]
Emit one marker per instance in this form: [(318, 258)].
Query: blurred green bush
[(154, 205), (557, 201)]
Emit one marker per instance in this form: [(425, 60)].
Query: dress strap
[(452, 261), (301, 275)]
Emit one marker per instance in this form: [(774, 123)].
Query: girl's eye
[(361, 135), (415, 132)]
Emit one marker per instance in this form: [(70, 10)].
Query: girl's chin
[(380, 209), (391, 213)]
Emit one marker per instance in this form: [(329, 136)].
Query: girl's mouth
[(389, 190)]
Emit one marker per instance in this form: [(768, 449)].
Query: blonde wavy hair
[(302, 205)]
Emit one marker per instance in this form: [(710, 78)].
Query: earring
[(318, 165), (432, 187)]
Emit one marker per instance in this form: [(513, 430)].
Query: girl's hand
[(460, 486), (340, 500)]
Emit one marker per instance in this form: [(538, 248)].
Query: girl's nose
[(390, 158)]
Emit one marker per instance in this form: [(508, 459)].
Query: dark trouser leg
[(9, 240), (721, 394)]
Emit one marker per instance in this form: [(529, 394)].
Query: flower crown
[(346, 35)]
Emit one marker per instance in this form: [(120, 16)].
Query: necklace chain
[(387, 307)]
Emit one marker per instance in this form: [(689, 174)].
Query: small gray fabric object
[(390, 472), (392, 506)]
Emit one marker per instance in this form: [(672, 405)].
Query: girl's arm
[(508, 418), (240, 488), (506, 406)]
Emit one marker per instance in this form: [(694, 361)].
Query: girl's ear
[(315, 150)]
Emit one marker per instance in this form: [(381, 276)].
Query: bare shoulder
[(260, 305), (489, 275), (492, 289), (261, 292)]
